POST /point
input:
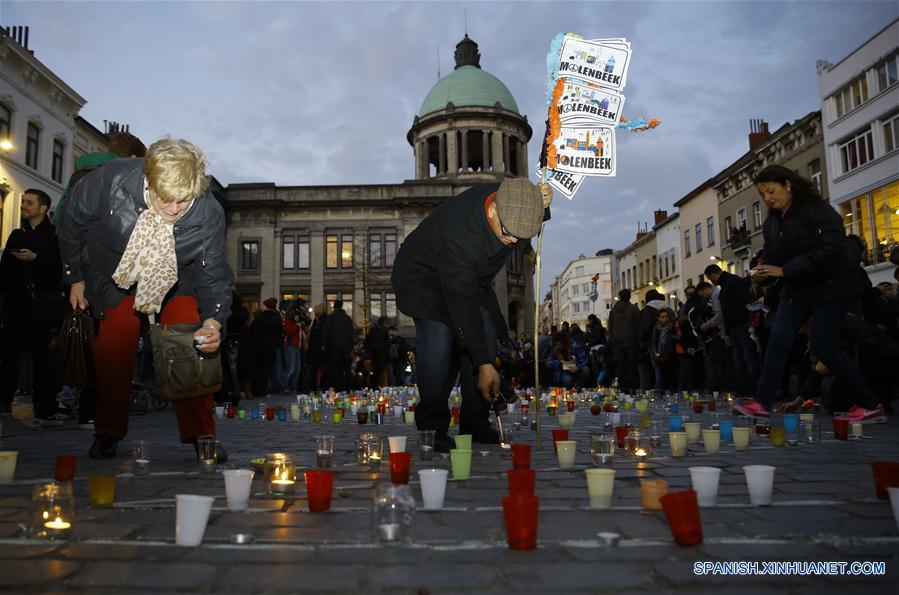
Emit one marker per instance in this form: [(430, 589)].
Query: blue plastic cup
[(675, 423), (726, 427), (791, 422), (282, 415), (674, 409)]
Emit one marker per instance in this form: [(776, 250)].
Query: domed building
[(323, 243)]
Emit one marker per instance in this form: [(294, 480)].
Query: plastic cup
[(238, 484), (559, 435), (678, 442), (650, 492), (726, 427), (220, 411), (521, 481), (433, 487), (521, 515), (7, 465), (400, 463), (621, 433), (319, 484), (791, 422), (682, 512), (426, 444), (711, 440), (566, 450), (463, 442), (692, 430), (886, 475), (894, 503), (600, 485), (521, 456), (397, 443), (140, 455), (778, 436), (362, 417), (841, 429), (675, 423), (65, 467), (295, 412), (566, 420), (760, 481), (101, 491), (705, 484), (408, 417), (191, 516), (741, 438), (856, 429), (460, 460), (455, 412)]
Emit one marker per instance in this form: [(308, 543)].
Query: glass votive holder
[(393, 514), (317, 416), (810, 431), (280, 473), (642, 448), (101, 490), (426, 444), (375, 450), (206, 454), (324, 450), (362, 416), (140, 456), (602, 449), (52, 510), (362, 447)]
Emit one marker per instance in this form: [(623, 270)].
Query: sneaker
[(443, 443), (865, 416), (104, 447), (86, 424), (49, 421), (752, 409)]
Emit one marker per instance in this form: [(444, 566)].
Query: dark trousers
[(626, 365), (714, 354), (262, 371), (824, 340), (339, 368), (19, 336), (115, 355), (745, 361), (437, 362)]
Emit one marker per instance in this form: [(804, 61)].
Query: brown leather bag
[(182, 372), (76, 357)]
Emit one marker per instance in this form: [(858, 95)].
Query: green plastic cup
[(461, 462), (463, 442)]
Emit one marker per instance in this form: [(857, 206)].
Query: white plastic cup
[(433, 487), (600, 486), (705, 484), (191, 516), (397, 443), (219, 411), (760, 481), (397, 411), (238, 483), (566, 449), (8, 465), (894, 502)]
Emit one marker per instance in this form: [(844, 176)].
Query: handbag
[(180, 370), (76, 357)]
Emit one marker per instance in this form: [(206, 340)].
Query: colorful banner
[(586, 151), (566, 183), (604, 64), (588, 104)]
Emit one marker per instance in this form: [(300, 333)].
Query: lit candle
[(57, 527), (282, 485), (640, 455), (389, 531)]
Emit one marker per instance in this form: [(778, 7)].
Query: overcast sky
[(307, 93)]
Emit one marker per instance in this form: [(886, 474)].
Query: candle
[(58, 527), (389, 531), (640, 455)]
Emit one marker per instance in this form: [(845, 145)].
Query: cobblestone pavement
[(824, 509)]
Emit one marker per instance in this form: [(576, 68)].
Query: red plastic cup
[(400, 462), (682, 512), (559, 435), (713, 406), (520, 513), (841, 429), (231, 411), (65, 467), (319, 483), (763, 428), (362, 416), (521, 482), (621, 433), (456, 411), (886, 475), (270, 413), (569, 405), (521, 456), (525, 407), (382, 408)]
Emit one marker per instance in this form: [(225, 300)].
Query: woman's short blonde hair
[(175, 170)]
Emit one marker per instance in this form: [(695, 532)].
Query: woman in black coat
[(807, 254)]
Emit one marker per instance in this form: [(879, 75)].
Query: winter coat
[(624, 323), (648, 320), (736, 292), (44, 271), (338, 331)]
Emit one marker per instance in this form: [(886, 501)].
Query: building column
[(421, 149), (317, 266), (441, 155), (507, 154), (485, 151), (464, 151), (497, 150), (521, 156), (452, 152)]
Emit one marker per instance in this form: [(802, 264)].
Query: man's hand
[(547, 191), (76, 296), (209, 337), (488, 382), (24, 254), (728, 341)]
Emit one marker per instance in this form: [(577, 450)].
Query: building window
[(673, 264), (814, 173), (851, 96), (374, 252), (757, 214), (640, 277), (294, 250), (32, 144), (5, 122), (728, 229), (710, 227), (575, 290), (346, 250), (331, 252), (339, 251), (687, 250), (578, 271), (891, 134), (59, 151), (345, 296), (698, 230), (887, 73), (382, 303), (741, 218), (857, 151), (249, 256)]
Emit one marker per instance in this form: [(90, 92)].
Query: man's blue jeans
[(824, 340)]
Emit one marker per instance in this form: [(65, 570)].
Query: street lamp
[(6, 145)]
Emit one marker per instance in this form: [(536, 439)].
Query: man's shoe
[(443, 443), (87, 424), (104, 447), (865, 416), (50, 421), (752, 409)]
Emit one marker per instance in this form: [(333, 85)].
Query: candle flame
[(46, 515), (283, 474), (640, 452)]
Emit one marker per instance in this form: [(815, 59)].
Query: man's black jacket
[(338, 331), (445, 268), (45, 271), (736, 292)]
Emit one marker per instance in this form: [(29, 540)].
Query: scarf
[(149, 260)]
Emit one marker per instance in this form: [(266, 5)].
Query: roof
[(468, 86)]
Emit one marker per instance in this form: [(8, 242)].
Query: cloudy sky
[(306, 93)]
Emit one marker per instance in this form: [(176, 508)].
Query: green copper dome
[(467, 86)]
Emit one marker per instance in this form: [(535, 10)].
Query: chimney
[(660, 216), (758, 133)]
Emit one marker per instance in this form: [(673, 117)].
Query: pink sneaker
[(752, 409), (865, 416)]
